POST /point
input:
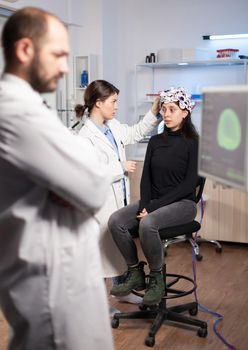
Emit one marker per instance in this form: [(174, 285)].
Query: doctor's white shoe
[(131, 299)]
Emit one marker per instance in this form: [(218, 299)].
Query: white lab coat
[(112, 260), (51, 289)]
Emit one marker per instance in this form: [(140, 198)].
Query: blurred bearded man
[(51, 290)]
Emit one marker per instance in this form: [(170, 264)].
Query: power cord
[(201, 307)]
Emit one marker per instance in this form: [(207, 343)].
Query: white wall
[(58, 7)]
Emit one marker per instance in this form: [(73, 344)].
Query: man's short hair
[(29, 22)]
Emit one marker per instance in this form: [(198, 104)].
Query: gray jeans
[(123, 222)]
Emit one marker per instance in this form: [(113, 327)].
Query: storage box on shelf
[(183, 54), (191, 53)]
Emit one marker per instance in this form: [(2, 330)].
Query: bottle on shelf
[(84, 79), (152, 58), (148, 59)]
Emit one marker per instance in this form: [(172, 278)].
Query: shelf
[(145, 101), (80, 63), (198, 63), (141, 101)]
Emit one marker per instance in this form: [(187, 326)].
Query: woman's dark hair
[(188, 129), (97, 90), (79, 110)]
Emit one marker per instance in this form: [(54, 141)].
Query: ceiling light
[(224, 36)]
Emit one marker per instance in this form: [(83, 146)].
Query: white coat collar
[(97, 133), (22, 86)]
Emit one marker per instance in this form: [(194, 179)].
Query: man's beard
[(38, 81)]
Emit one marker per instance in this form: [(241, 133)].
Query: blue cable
[(201, 307)]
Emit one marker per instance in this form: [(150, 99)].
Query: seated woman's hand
[(142, 214), (129, 166)]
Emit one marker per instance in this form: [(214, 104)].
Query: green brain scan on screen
[(229, 130), (223, 143)]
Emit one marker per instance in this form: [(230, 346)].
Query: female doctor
[(110, 137)]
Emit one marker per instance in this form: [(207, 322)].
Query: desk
[(226, 214)]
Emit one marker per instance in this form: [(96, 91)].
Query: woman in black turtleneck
[(167, 196)]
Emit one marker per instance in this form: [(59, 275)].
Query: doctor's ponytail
[(80, 110)]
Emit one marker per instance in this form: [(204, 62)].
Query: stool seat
[(183, 233), (179, 230)]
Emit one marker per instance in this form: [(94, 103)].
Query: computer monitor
[(223, 154)]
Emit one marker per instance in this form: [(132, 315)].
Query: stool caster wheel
[(150, 341), (218, 250), (202, 332), (193, 311), (115, 323), (198, 257)]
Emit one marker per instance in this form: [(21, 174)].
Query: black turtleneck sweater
[(170, 170)]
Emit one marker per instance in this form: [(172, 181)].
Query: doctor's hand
[(156, 106), (129, 166), (142, 214)]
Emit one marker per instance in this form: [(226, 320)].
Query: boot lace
[(152, 282)]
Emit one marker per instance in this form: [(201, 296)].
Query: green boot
[(134, 279), (155, 290)]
